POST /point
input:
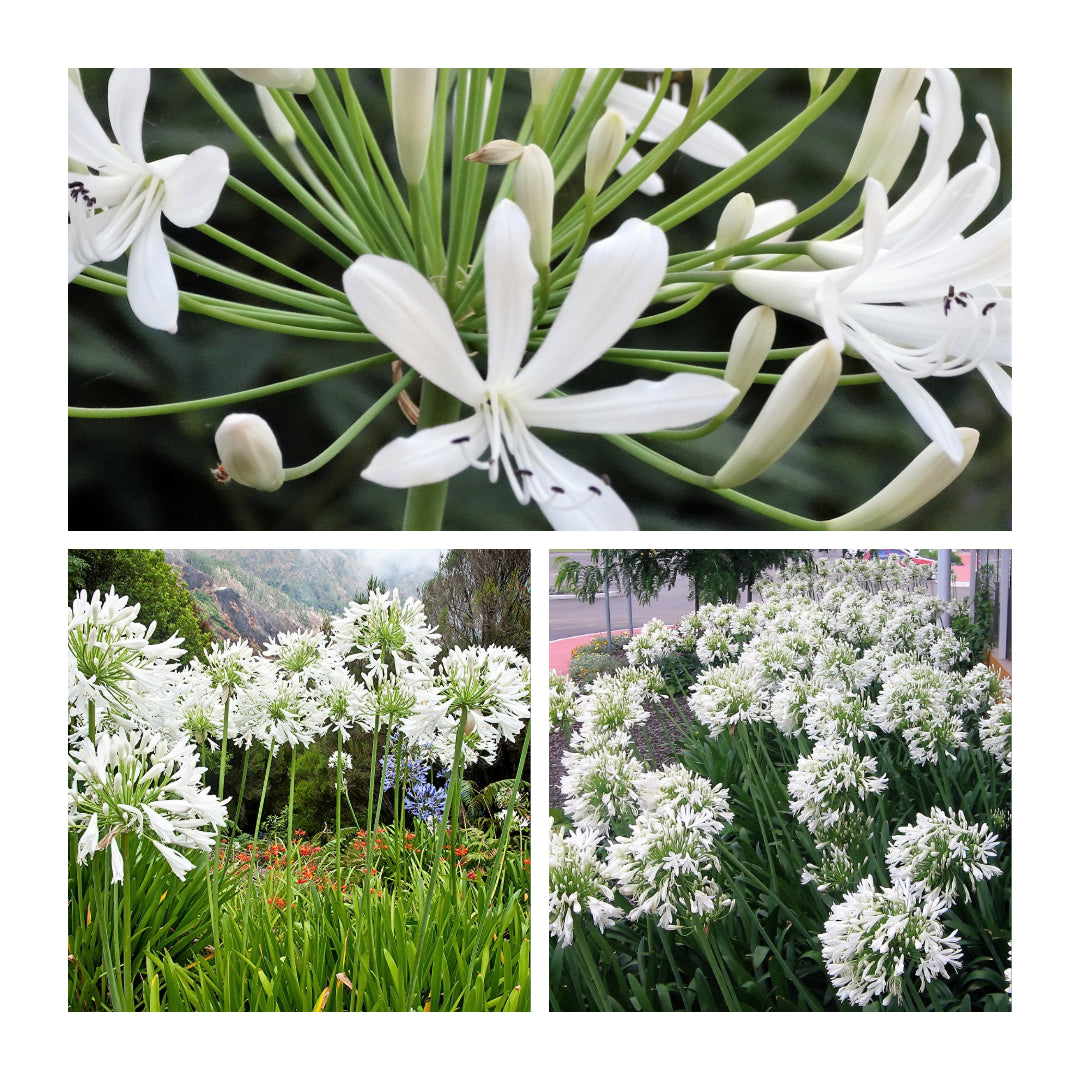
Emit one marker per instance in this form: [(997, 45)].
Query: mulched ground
[(654, 732)]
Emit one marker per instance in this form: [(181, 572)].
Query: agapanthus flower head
[(143, 783), (668, 866), (828, 790), (112, 664), (873, 937), (995, 734), (116, 204), (280, 711), (576, 883), (298, 656), (388, 629), (424, 800), (915, 702), (944, 853), (490, 685), (655, 641), (562, 694), (229, 665), (339, 760), (600, 788), (723, 697)]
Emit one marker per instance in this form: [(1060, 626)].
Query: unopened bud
[(734, 225), (498, 152), (412, 100), (534, 192), (296, 80), (606, 142), (276, 121), (818, 78), (542, 81), (750, 345), (928, 475), (249, 452), (796, 399), (470, 723), (896, 89)]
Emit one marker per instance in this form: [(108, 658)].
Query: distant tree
[(480, 598), (147, 579), (716, 576)]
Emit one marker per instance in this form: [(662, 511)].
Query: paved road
[(570, 617)]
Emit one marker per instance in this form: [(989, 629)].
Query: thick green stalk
[(426, 503)]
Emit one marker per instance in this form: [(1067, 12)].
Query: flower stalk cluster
[(454, 250)]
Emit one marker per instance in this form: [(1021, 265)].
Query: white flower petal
[(616, 281), (642, 405), (401, 308), (87, 141), (509, 276), (151, 282), (128, 91), (429, 456), (193, 188), (651, 185), (569, 496), (927, 413), (177, 863)]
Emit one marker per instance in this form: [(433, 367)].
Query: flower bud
[(497, 152), (276, 121), (249, 452), (534, 192), (896, 89), (750, 345), (796, 399), (818, 78), (605, 145), (928, 475), (734, 225), (412, 99), (542, 81), (296, 80)]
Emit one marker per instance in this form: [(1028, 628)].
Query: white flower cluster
[(873, 937), (995, 733), (943, 853), (656, 641), (725, 696), (576, 883), (134, 717)]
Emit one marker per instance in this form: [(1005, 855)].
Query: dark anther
[(524, 472), (989, 306), (558, 490), (464, 438), (595, 490), (77, 190)]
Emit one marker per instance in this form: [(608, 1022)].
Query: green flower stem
[(290, 851), (224, 749), (339, 444), (267, 159), (348, 196), (337, 814), (295, 224), (329, 301), (373, 164), (258, 815), (237, 398), (426, 503), (129, 884)]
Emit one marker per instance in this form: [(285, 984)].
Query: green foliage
[(148, 579), (979, 627), (595, 657), (481, 598)]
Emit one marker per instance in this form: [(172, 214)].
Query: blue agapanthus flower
[(424, 800)]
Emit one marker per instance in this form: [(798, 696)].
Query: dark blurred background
[(154, 473)]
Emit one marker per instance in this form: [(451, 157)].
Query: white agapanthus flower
[(995, 734), (116, 205), (915, 702), (386, 629), (944, 853), (617, 279), (873, 937), (655, 641), (600, 787), (928, 305), (143, 783), (726, 696), (668, 865), (112, 665), (828, 789), (576, 883)]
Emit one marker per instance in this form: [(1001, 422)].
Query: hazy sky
[(393, 561)]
